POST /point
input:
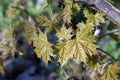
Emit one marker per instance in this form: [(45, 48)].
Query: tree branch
[(104, 53), (112, 13)]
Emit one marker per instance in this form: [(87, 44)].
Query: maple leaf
[(9, 34), (85, 43), (12, 12), (30, 32), (63, 57), (10, 44), (1, 67), (5, 49), (52, 23), (49, 24), (87, 28), (67, 12), (99, 18), (13, 48), (77, 7), (43, 21), (64, 33), (110, 73), (81, 47), (95, 19), (92, 61), (54, 18), (43, 47), (76, 49)]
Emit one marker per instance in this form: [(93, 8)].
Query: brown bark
[(112, 13)]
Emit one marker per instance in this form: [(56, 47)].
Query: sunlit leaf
[(110, 73), (5, 49), (64, 33), (49, 24), (17, 24), (13, 48), (76, 49), (86, 27), (75, 9), (9, 34), (81, 47), (84, 32), (63, 56), (99, 18), (44, 21), (30, 32), (43, 47), (95, 19), (85, 41), (54, 18), (1, 66), (67, 12), (8, 48), (11, 12)]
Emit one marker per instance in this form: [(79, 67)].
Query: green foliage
[(110, 47), (30, 31), (43, 47), (95, 19), (64, 33), (9, 44), (9, 34), (1, 66), (111, 71), (5, 48), (49, 24), (78, 48)]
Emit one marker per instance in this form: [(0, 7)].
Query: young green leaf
[(9, 34), (67, 12), (63, 57), (5, 49), (43, 21), (1, 66), (64, 33), (86, 27), (95, 19), (110, 73), (76, 50), (54, 19), (79, 48), (43, 47), (84, 42), (30, 32)]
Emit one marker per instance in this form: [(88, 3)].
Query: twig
[(110, 32), (104, 53), (112, 13)]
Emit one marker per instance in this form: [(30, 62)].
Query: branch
[(104, 53), (109, 32), (112, 13)]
